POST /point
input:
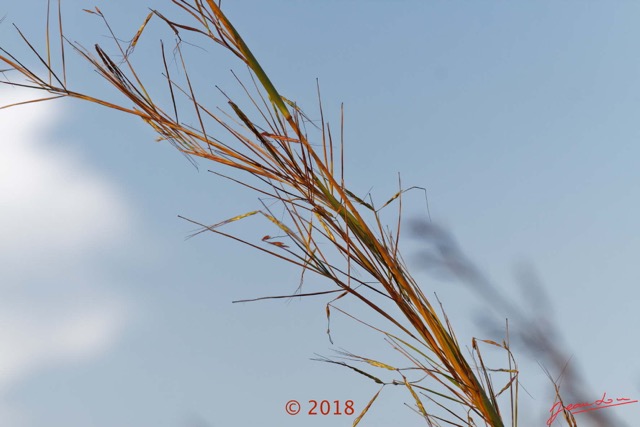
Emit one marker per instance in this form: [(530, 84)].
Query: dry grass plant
[(327, 229)]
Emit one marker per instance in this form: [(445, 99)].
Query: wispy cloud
[(51, 203), (55, 215)]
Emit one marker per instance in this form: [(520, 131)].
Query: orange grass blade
[(366, 408)]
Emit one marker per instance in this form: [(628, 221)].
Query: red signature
[(576, 408)]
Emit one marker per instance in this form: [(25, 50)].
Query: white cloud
[(37, 332), (55, 213), (49, 201)]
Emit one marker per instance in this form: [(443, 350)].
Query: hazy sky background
[(521, 120)]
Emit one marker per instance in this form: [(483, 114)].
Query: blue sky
[(519, 119)]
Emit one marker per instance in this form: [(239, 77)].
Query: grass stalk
[(327, 233)]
